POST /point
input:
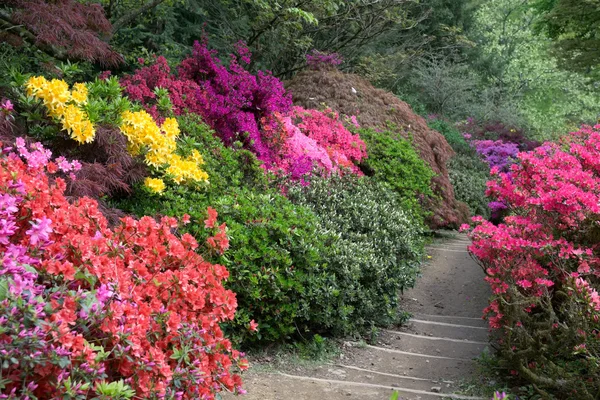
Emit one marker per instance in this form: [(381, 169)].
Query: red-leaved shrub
[(543, 265)]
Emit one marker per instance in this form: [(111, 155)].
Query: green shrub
[(469, 175), (393, 160), (453, 136), (376, 251)]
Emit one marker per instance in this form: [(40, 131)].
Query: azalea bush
[(157, 143), (543, 266), (86, 310), (495, 130), (246, 108), (374, 253)]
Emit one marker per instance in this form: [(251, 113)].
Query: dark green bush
[(393, 160), (469, 175), (376, 252)]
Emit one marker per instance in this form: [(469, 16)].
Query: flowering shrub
[(64, 105), (252, 109), (274, 255), (494, 130), (231, 100), (496, 153), (543, 266), (317, 60), (132, 311), (158, 143), (344, 148), (142, 85)]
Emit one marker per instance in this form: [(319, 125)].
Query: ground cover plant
[(542, 265)]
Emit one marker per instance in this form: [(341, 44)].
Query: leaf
[(3, 289)]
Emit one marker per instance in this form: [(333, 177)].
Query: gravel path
[(425, 359)]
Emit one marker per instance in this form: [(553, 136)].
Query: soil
[(427, 358)]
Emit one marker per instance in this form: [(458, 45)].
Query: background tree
[(574, 27)]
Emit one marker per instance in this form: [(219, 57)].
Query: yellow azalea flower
[(144, 136), (197, 157), (79, 127), (170, 128), (79, 93), (63, 105), (34, 84), (155, 184)]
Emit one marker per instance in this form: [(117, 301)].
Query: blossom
[(6, 106), (156, 185), (253, 326), (40, 230), (113, 304), (212, 218)]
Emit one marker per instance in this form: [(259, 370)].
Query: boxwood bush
[(376, 251)]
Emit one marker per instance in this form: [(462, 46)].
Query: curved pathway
[(425, 359)]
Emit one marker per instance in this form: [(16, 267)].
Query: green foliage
[(573, 27), (375, 254), (117, 390), (512, 58), (469, 175), (453, 136), (279, 33), (393, 160), (332, 261)]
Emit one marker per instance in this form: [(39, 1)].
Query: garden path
[(427, 359)]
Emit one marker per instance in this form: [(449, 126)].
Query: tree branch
[(130, 16), (7, 24)]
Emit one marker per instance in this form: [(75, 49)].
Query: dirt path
[(426, 359)]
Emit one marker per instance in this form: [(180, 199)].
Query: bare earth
[(425, 359)]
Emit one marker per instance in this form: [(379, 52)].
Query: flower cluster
[(123, 312), (64, 105), (325, 127), (159, 145), (496, 153), (317, 60), (142, 84), (543, 263)]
